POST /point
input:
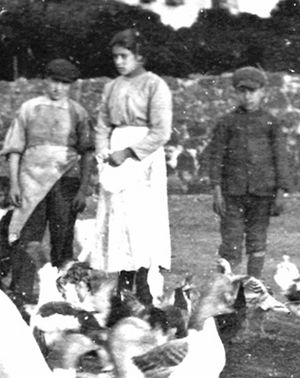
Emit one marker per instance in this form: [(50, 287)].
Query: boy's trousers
[(246, 219), (56, 211)]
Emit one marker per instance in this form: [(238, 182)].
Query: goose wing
[(161, 360)]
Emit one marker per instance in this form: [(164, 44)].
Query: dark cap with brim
[(249, 77), (62, 70)]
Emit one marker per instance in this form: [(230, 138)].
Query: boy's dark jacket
[(248, 154)]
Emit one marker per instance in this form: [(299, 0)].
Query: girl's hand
[(117, 158)]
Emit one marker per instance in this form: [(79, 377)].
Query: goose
[(76, 287), (138, 352), (179, 305), (168, 320), (286, 274), (256, 294), (89, 289), (253, 302), (48, 291), (20, 355), (73, 350), (287, 277), (47, 275), (170, 314), (259, 303), (79, 307), (85, 238)]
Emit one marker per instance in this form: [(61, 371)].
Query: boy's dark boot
[(255, 264), (142, 288), (126, 280)]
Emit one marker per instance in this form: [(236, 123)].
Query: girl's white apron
[(132, 226)]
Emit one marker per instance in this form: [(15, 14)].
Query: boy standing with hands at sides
[(49, 146), (248, 172)]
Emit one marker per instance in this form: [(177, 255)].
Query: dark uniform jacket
[(248, 154)]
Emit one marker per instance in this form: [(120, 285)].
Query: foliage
[(35, 31)]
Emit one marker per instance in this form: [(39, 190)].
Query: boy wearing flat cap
[(49, 146), (248, 172)]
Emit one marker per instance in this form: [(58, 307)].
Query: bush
[(36, 31)]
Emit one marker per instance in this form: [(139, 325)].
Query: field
[(195, 239)]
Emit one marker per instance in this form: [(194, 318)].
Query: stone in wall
[(198, 101)]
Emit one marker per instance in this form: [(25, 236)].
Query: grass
[(195, 239)]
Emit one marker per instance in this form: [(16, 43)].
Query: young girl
[(133, 125)]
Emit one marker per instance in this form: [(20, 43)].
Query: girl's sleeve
[(160, 120), (15, 139), (103, 126)]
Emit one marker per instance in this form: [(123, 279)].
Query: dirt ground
[(195, 239)]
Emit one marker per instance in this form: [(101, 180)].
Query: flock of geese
[(82, 325)]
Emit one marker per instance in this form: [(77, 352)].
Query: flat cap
[(248, 77), (62, 70)]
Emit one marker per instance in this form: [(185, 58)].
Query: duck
[(138, 352)]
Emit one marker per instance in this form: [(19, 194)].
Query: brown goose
[(137, 352)]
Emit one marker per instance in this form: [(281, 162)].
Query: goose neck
[(203, 311)]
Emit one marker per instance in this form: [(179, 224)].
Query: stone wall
[(198, 102)]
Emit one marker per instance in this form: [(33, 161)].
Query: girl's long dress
[(132, 220)]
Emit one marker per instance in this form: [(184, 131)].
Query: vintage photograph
[(149, 189)]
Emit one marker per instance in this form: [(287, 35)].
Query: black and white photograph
[(149, 188)]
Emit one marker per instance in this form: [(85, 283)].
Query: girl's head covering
[(132, 40)]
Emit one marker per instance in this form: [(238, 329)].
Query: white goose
[(137, 352), (286, 274), (20, 355), (287, 277), (80, 306)]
